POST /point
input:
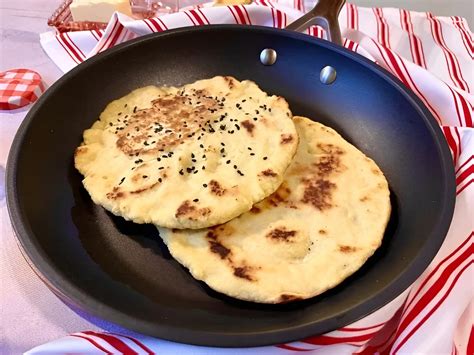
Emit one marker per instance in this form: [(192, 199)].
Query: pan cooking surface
[(122, 272)]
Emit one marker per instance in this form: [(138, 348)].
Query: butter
[(98, 10)]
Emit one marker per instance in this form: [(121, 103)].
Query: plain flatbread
[(188, 157), (319, 227)]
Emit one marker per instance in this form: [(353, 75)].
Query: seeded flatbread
[(320, 226), (188, 157)]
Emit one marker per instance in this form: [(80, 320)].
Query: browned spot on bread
[(249, 126), (376, 171), (280, 196), (230, 81), (284, 298), (318, 193), (191, 211), (216, 188), (327, 164), (243, 272), (347, 249), (115, 194), (363, 199), (330, 148), (164, 123), (286, 138), (80, 150), (268, 172), (216, 246), (185, 208), (144, 189), (322, 231), (281, 234), (255, 210)]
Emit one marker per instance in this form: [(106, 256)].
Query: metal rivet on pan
[(328, 75), (268, 56)]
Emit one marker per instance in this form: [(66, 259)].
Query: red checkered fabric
[(18, 88)]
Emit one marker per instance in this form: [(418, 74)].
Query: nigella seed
[(138, 161), (204, 185), (120, 183), (244, 100), (160, 180), (135, 109), (192, 155), (222, 150), (222, 127), (195, 171), (201, 146), (161, 168), (249, 148), (255, 118), (227, 162), (193, 160), (189, 170), (125, 105), (238, 127), (119, 113), (144, 176), (181, 172), (110, 124), (265, 158), (203, 167), (158, 159), (257, 112), (204, 156), (196, 200), (145, 143), (240, 173), (235, 166), (252, 154), (222, 144)]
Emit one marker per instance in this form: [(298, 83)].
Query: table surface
[(29, 313)]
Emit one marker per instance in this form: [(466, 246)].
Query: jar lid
[(19, 87)]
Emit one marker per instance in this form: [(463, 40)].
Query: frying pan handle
[(324, 14)]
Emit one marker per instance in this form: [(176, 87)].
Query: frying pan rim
[(60, 284)]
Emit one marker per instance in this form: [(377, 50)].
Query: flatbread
[(320, 226), (188, 157)]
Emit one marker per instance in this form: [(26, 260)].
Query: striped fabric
[(433, 56)]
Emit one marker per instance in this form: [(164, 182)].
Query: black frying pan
[(121, 271)]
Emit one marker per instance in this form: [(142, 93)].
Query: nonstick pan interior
[(122, 272)]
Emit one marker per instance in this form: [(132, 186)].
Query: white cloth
[(433, 56)]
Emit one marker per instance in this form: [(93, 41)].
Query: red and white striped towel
[(433, 56)]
